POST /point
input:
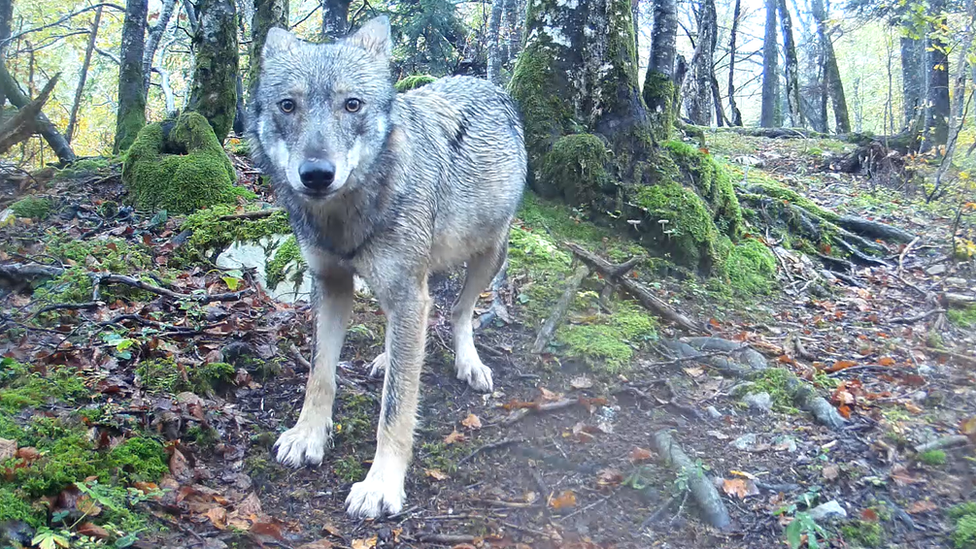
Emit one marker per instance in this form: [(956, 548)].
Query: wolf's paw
[(378, 367), (472, 370), (304, 443), (374, 496)]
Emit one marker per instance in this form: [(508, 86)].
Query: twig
[(904, 252), (486, 447), (701, 488), (657, 514), (300, 358), (258, 214), (446, 538), (559, 311), (916, 318), (951, 441), (957, 356), (519, 414), (135, 283)]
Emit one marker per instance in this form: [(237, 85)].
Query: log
[(559, 311), (47, 130), (874, 229), (702, 489), (642, 294), (24, 124)]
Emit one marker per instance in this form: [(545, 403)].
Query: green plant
[(803, 524), (933, 458)]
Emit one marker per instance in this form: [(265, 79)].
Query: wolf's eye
[(353, 104), (286, 105)]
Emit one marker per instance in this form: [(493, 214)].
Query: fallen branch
[(950, 354), (951, 441), (23, 125), (702, 489), (904, 252), (258, 214), (874, 229), (519, 414), (559, 311), (916, 318), (643, 295)]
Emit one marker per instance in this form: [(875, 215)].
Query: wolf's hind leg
[(481, 269), (307, 440)]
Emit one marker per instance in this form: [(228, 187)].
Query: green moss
[(963, 318), (776, 382), (862, 533), (353, 420), (22, 389), (112, 255), (659, 95), (183, 172), (210, 233), (933, 458), (680, 221), (757, 182), (607, 341), (964, 517), (14, 507), (287, 260), (138, 459), (214, 86), (165, 375), (33, 207), (575, 169), (750, 267), (440, 456), (129, 123), (413, 82), (349, 469), (712, 182), (85, 166)]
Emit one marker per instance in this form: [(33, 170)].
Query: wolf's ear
[(374, 37), (278, 41)]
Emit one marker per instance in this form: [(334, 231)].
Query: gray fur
[(424, 181)]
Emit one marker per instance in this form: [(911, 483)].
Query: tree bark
[(494, 23), (214, 91), (47, 130), (913, 81), (6, 13), (83, 77), (835, 87), (267, 14), (736, 115), (513, 30), (131, 115), (937, 117), (698, 101), (659, 92), (22, 125), (769, 113), (153, 36), (791, 66), (335, 18)]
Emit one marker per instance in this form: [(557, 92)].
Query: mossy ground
[(933, 458), (210, 233), (963, 318), (963, 517), (286, 264), (33, 207), (113, 255), (167, 376), (861, 533), (181, 171)]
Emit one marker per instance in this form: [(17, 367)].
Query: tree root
[(951, 441), (701, 488), (559, 311)]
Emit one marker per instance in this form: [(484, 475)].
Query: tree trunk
[(335, 18), (659, 87), (47, 130), (6, 13), (937, 117), (494, 58), (83, 77), (153, 36), (835, 87), (635, 15), (267, 14), (21, 126), (913, 81), (513, 31), (214, 92), (769, 114), (792, 78), (736, 115), (131, 116), (698, 101)]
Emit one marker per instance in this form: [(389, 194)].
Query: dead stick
[(559, 311), (916, 318), (517, 415), (945, 442), (642, 294), (904, 252), (258, 214), (957, 356), (702, 489)]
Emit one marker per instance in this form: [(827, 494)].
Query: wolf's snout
[(317, 175)]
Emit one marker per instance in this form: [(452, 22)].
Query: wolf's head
[(320, 115)]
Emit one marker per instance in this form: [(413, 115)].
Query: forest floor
[(146, 418)]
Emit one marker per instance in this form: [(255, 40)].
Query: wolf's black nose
[(317, 175)]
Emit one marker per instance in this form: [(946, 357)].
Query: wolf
[(390, 187)]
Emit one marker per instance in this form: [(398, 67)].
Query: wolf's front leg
[(382, 490), (307, 440)]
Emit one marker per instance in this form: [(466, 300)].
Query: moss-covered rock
[(413, 82), (749, 266), (209, 232), (33, 207), (180, 167)]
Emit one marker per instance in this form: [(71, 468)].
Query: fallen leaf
[(640, 454), (921, 506), (913, 408), (831, 472), (28, 454), (563, 500), (968, 428), (548, 395), (320, 544), (717, 434), (364, 543), (472, 422), (454, 437), (92, 530), (266, 531), (435, 474), (886, 361), (581, 382), (869, 515), (841, 365), (250, 505), (218, 516), (740, 487), (694, 371), (87, 506), (8, 448), (609, 477)]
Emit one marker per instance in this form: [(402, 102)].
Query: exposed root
[(701, 488), (559, 311)]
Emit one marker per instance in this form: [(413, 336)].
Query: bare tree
[(736, 115), (659, 85), (131, 114), (267, 14), (913, 81), (83, 77), (937, 115), (769, 114), (791, 66), (44, 126), (835, 87), (153, 36), (6, 13), (698, 100)]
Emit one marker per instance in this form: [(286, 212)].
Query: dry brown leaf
[(364, 543), (28, 454), (218, 516), (454, 437), (886, 361), (831, 472), (694, 371), (8, 448), (548, 395), (472, 422), (319, 544), (640, 454), (921, 506), (435, 474), (179, 467), (92, 530), (841, 365), (250, 505), (581, 382), (735, 487), (266, 530), (563, 500), (609, 477), (913, 408), (968, 428), (87, 506)]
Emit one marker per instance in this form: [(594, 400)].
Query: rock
[(956, 282), (713, 412), (831, 509), (936, 269), (920, 396), (759, 401), (745, 442), (784, 442)]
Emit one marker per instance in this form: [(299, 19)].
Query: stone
[(761, 402), (831, 509)]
